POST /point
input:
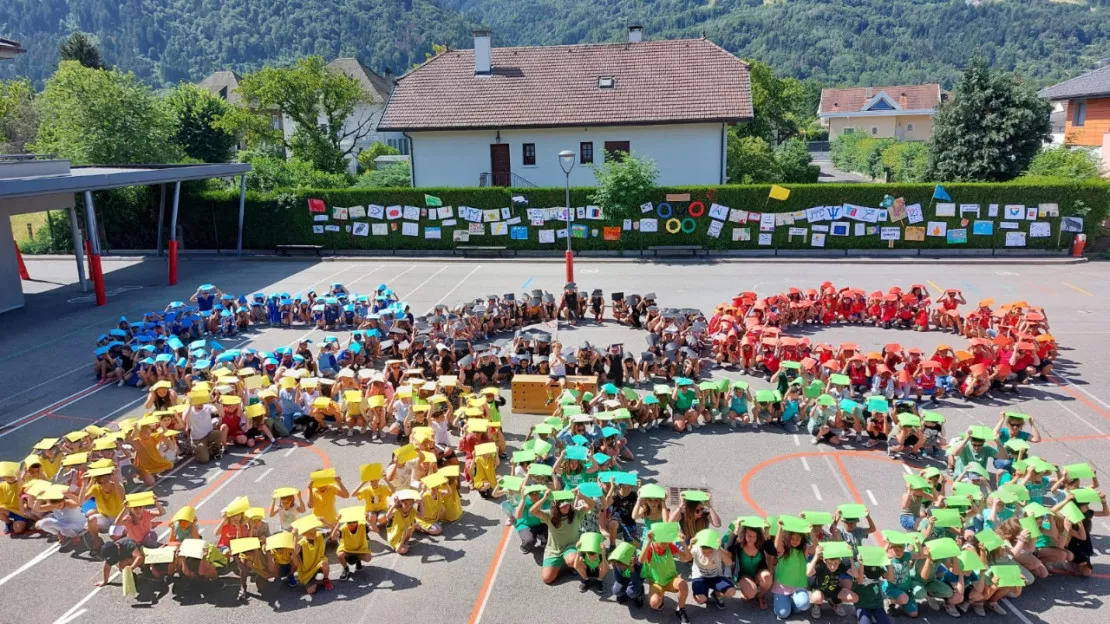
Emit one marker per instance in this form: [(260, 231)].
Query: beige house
[(896, 111)]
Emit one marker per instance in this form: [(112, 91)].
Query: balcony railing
[(503, 179)]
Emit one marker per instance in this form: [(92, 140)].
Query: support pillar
[(95, 270), (161, 216), (173, 233), (242, 208), (78, 248)]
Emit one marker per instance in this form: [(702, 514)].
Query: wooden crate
[(530, 393)]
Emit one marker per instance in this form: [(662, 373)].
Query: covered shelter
[(36, 183)]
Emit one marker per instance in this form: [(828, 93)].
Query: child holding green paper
[(563, 518), (868, 575), (790, 592), (590, 562), (1076, 509), (628, 584), (662, 548), (825, 571)]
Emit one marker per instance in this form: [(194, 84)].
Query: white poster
[(969, 209), (936, 228), (1015, 239), (412, 213), (719, 212), (445, 212), (714, 230), (946, 210), (646, 207), (817, 239), (357, 212), (992, 210), (379, 229), (1015, 211), (360, 228), (765, 238), (890, 233), (393, 212), (737, 216), (1040, 229), (547, 236), (375, 211), (331, 228), (410, 229), (767, 222), (649, 225), (914, 214)]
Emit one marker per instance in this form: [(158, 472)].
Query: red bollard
[(23, 274), (97, 275), (570, 266), (173, 263)]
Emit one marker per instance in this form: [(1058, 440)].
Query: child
[(590, 562), (353, 538), (287, 505), (710, 569), (374, 493), (825, 586), (868, 575), (627, 582), (401, 520), (310, 555), (483, 470), (11, 487), (658, 561), (324, 486)]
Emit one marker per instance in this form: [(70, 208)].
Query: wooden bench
[(489, 251), (285, 250), (679, 250), (530, 392)]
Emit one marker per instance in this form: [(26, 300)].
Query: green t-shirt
[(564, 536), (791, 569), (905, 571), (870, 593), (661, 569), (685, 399), (968, 455), (527, 520)]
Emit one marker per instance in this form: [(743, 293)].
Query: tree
[(990, 129), (752, 161), (317, 99), (377, 148), (795, 163), (269, 172), (783, 107), (196, 112), (396, 175), (624, 183), (18, 117), (98, 116), (81, 48), (1062, 162)]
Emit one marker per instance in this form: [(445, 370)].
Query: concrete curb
[(768, 256)]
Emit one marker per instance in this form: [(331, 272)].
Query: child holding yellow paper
[(310, 555), (483, 470), (102, 487), (374, 493), (324, 486), (287, 505), (401, 520), (353, 538)]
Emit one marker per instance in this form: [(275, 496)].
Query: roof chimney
[(868, 92), (482, 62), (635, 33), (390, 83)]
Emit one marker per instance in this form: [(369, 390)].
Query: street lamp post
[(566, 162)]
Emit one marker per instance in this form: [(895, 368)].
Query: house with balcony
[(890, 112)]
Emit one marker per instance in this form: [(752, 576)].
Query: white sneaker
[(350, 432), (997, 608), (951, 611)]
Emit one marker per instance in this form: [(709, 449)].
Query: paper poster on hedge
[(735, 215), (347, 228), (914, 213), (1071, 224), (500, 228), (379, 229), (561, 233), (471, 215), (649, 225), (890, 233), (450, 223), (982, 228), (1015, 239), (787, 218), (410, 229), (476, 229), (375, 211), (834, 212), (898, 210), (852, 211), (839, 228), (357, 212), (446, 212), (320, 218), (594, 212), (489, 216), (1048, 210), (859, 229), (915, 233), (754, 217), (742, 234), (360, 228), (506, 213), (646, 207), (579, 231), (817, 240), (461, 236), (937, 228), (1040, 229), (957, 236), (1009, 225), (796, 231), (715, 228), (339, 214), (317, 229), (580, 212), (969, 209), (765, 238), (1015, 211), (433, 233), (719, 212), (546, 236), (945, 209), (393, 212), (611, 233), (332, 228), (992, 210), (412, 213), (518, 232), (316, 205), (1030, 213), (820, 228), (767, 222)]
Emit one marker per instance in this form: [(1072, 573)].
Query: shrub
[(623, 184), (393, 176), (1064, 162), (366, 157)]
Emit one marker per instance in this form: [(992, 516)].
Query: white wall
[(685, 154)]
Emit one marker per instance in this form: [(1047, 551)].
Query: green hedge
[(283, 218)]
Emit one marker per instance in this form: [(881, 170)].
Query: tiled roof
[(373, 83), (225, 81), (677, 81), (1095, 82), (908, 97)]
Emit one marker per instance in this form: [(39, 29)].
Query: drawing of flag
[(780, 193), (941, 194)]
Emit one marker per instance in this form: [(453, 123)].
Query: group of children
[(1006, 347)]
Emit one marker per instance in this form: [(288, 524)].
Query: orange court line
[(487, 582), (1077, 289), (1067, 388)]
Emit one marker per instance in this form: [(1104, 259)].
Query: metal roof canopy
[(55, 177), (102, 178)]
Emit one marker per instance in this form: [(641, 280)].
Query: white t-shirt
[(400, 411), (442, 432), (200, 420)]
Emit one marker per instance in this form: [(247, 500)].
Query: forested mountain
[(838, 42)]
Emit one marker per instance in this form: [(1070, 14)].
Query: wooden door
[(499, 165)]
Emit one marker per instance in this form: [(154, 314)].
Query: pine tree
[(81, 48), (989, 130)]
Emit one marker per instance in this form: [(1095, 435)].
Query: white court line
[(805, 464), (1015, 611), (907, 469), (816, 492), (797, 442), (872, 497), (1080, 388), (839, 480), (485, 599), (263, 475), (48, 381), (289, 452), (74, 616), (448, 293), (39, 414), (357, 280), (75, 611), (421, 285), (1073, 413)]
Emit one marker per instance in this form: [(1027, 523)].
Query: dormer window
[(606, 82)]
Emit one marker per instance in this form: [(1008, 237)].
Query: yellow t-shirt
[(485, 471), (375, 497), (324, 499), (357, 543), (109, 504), (398, 526), (147, 456), (313, 551), (51, 468), (9, 496), (282, 556), (430, 511), (452, 506)]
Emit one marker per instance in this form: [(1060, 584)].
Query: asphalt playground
[(474, 572)]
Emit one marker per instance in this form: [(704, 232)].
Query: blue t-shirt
[(204, 302)]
